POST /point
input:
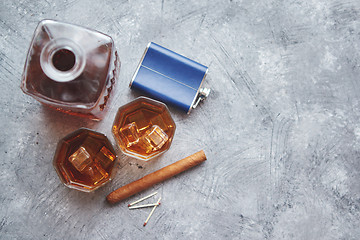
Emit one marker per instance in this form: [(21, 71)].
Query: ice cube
[(153, 139), (80, 159), (130, 134), (104, 157)]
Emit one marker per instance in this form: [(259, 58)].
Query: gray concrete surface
[(281, 127)]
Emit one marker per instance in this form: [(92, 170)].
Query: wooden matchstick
[(152, 211), (144, 206), (142, 199), (156, 177)]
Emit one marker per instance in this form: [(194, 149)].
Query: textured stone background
[(281, 127)]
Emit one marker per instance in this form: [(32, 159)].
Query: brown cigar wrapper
[(156, 177)]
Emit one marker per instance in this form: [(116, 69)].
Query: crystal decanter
[(71, 68)]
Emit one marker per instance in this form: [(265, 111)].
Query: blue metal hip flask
[(171, 78)]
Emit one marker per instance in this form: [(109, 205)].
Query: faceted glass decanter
[(84, 160), (71, 68), (144, 128)]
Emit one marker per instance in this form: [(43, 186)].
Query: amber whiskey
[(84, 160), (144, 128)]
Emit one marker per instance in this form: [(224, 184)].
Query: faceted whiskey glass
[(84, 160), (144, 128), (71, 68)]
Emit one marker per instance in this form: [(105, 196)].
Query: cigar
[(156, 177)]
